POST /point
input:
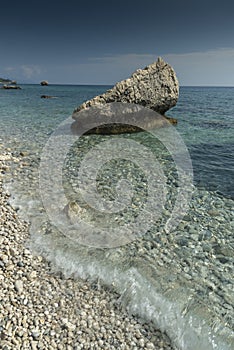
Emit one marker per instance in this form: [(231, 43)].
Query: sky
[(102, 42)]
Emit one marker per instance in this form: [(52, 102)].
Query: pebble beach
[(40, 309)]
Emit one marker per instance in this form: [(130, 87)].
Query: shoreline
[(43, 310)]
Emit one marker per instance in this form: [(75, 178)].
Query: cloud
[(9, 69), (124, 64), (213, 67), (131, 58), (102, 70), (30, 71), (24, 73)]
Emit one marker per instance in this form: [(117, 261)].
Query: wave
[(142, 292)]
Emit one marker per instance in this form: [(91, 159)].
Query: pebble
[(19, 286)]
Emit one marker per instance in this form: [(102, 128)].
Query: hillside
[(7, 81)]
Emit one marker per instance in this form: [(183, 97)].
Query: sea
[(176, 268)]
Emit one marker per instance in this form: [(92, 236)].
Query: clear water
[(182, 280)]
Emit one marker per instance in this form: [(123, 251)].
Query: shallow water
[(180, 279)]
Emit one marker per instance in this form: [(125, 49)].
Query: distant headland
[(8, 84), (7, 81)]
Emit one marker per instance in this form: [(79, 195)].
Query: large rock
[(156, 86)]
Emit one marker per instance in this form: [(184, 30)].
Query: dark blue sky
[(101, 42)]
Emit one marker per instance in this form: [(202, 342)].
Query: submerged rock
[(171, 119), (47, 96), (155, 87), (117, 118), (72, 210)]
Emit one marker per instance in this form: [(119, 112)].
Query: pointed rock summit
[(156, 87)]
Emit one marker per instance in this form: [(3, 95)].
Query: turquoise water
[(181, 280), (206, 122)]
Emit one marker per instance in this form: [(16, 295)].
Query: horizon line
[(105, 84)]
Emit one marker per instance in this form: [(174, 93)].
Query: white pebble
[(19, 286)]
